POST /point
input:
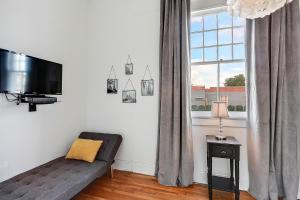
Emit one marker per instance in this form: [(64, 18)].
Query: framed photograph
[(129, 68), (112, 86), (147, 87), (129, 96)]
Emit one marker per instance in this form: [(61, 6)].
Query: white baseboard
[(134, 166), (149, 169)]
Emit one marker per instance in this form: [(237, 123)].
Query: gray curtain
[(273, 72), (175, 164)]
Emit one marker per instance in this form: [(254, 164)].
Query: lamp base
[(220, 137)]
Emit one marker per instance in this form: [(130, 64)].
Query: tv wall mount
[(31, 99)]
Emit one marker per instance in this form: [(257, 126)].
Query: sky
[(207, 74)]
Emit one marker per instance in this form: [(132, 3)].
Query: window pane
[(232, 79), (210, 22), (210, 38), (196, 24), (197, 55), (197, 40), (210, 54), (204, 83), (225, 52), (237, 21), (216, 39), (238, 35), (239, 51), (225, 36), (224, 20)]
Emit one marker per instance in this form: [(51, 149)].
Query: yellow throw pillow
[(84, 149)]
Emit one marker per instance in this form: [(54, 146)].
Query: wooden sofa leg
[(110, 172)]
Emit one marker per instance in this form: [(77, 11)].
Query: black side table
[(229, 149)]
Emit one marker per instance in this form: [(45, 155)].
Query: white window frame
[(239, 116)]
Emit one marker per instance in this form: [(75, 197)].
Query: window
[(218, 59)]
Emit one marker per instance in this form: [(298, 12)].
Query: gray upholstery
[(110, 146), (61, 179)]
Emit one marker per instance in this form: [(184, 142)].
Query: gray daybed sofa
[(62, 179)]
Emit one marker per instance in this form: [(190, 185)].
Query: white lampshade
[(219, 109)]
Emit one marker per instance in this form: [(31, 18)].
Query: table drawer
[(222, 151)]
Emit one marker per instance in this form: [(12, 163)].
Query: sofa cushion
[(59, 179), (109, 147), (84, 149)]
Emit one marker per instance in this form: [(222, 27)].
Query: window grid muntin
[(216, 29), (234, 24), (232, 44)]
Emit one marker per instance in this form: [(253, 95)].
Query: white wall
[(54, 30), (117, 28)]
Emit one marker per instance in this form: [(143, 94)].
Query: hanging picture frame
[(147, 85), (112, 83), (129, 95), (129, 66)]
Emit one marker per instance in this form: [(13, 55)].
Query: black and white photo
[(129, 96), (147, 87), (112, 86), (129, 68)]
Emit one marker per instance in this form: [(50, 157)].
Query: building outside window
[(218, 59)]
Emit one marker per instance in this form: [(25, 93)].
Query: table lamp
[(219, 110)]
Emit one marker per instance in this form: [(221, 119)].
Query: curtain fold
[(175, 164), (273, 73)]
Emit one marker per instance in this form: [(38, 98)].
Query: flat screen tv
[(22, 74)]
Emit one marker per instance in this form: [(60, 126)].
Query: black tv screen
[(22, 74)]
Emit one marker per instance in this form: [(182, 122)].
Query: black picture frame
[(129, 68), (129, 96), (112, 86), (147, 87)]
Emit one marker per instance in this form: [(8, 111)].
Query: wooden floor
[(131, 186)]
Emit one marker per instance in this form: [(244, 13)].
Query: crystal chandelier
[(254, 8)]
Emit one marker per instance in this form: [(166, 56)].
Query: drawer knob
[(223, 152)]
